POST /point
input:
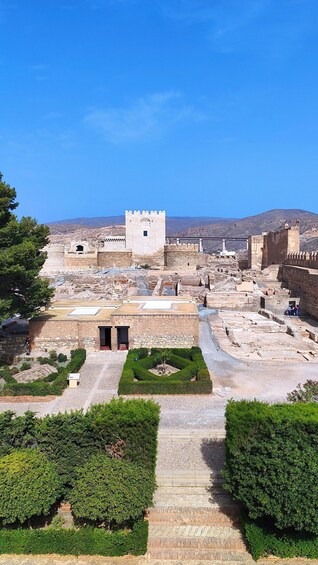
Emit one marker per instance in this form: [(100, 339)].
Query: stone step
[(226, 515), (166, 530), (199, 554), (198, 498), (196, 542), (195, 433), (188, 478)]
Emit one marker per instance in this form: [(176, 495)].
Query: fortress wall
[(181, 256), (303, 283), (114, 258), (55, 258), (79, 261)]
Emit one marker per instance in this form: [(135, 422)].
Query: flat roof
[(100, 310)]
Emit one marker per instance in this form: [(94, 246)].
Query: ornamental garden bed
[(51, 383), (165, 371), (101, 462)]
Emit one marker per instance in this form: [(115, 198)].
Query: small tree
[(29, 486), (112, 491), (162, 358), (21, 259), (308, 392)]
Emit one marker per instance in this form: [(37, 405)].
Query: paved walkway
[(99, 383)]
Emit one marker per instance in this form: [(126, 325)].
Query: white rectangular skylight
[(157, 305), (84, 311)]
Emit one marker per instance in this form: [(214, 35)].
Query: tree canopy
[(22, 291)]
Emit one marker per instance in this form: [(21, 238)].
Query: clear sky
[(198, 107)]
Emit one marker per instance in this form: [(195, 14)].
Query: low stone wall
[(232, 301), (303, 283)]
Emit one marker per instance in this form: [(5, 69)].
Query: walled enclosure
[(272, 248), (151, 322), (144, 243)]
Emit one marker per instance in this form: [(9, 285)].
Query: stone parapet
[(307, 260)]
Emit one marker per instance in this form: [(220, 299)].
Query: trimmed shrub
[(112, 491), (263, 542), (29, 486), (272, 462), (135, 422), (70, 439), (84, 541), (25, 366), (192, 378), (61, 358)]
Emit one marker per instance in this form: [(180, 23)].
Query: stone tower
[(145, 232)]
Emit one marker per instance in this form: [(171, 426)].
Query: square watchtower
[(145, 232)]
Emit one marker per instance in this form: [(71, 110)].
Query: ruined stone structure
[(300, 274), (272, 248), (117, 325), (144, 243)]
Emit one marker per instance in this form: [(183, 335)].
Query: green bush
[(70, 439), (61, 358), (272, 462), (193, 376), (43, 386), (83, 541), (135, 422), (25, 366), (7, 375), (29, 486), (112, 491), (263, 542)]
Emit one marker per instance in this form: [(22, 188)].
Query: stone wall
[(303, 283), (12, 346), (154, 260), (79, 261), (114, 258), (55, 258), (256, 252), (181, 256), (114, 243), (232, 301), (144, 331), (160, 330), (272, 248)]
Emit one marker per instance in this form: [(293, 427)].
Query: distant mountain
[(174, 224), (252, 225)]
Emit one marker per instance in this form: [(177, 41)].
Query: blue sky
[(198, 107)]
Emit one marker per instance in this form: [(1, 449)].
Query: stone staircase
[(195, 524)]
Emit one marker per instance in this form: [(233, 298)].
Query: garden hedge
[(70, 439), (83, 541), (193, 376), (272, 462), (54, 383), (263, 542)]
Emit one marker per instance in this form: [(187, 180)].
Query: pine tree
[(22, 291)]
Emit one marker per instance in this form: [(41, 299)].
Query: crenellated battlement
[(181, 247), (139, 213), (305, 259)]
